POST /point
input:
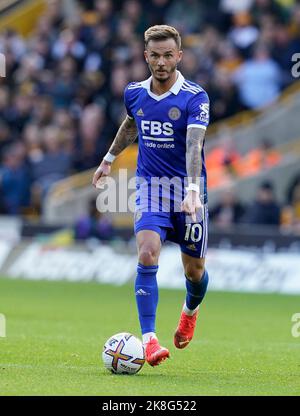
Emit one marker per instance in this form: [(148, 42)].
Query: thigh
[(152, 221), (148, 238), (192, 236)]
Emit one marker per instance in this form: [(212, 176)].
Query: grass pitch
[(55, 333)]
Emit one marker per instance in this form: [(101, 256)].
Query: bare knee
[(149, 244), (194, 271), (148, 255)]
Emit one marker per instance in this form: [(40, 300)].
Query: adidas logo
[(140, 112), (191, 247), (141, 292)]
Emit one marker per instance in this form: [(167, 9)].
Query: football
[(123, 353)]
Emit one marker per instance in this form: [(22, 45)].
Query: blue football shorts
[(178, 228)]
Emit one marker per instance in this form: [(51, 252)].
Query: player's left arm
[(197, 122), (194, 144)]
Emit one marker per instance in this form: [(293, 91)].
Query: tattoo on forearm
[(125, 136), (194, 143)]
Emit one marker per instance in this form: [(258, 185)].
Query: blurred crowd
[(61, 101), (265, 209), (225, 163)]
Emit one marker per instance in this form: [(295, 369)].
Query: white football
[(123, 353)]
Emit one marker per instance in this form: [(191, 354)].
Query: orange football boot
[(155, 354), (185, 330)]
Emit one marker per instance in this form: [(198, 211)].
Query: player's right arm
[(126, 135)]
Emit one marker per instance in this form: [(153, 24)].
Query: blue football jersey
[(162, 122)]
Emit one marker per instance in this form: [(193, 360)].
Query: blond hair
[(162, 32)]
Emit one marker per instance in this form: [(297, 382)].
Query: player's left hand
[(191, 204)]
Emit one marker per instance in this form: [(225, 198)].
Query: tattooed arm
[(126, 135), (194, 144)]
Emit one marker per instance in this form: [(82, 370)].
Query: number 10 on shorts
[(193, 232)]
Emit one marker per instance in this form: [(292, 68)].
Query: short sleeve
[(127, 102), (198, 111)]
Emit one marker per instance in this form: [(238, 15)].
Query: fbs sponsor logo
[(141, 292), (140, 112), (156, 128)]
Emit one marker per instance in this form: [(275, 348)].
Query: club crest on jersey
[(204, 112), (174, 113)]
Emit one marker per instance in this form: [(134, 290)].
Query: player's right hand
[(101, 173)]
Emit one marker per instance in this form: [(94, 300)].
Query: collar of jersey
[(174, 89)]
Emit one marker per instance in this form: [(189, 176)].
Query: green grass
[(55, 333)]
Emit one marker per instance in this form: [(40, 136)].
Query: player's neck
[(159, 88)]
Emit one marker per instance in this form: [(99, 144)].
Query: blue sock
[(146, 294), (196, 291)]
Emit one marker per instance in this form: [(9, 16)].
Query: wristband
[(193, 187), (109, 157)]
